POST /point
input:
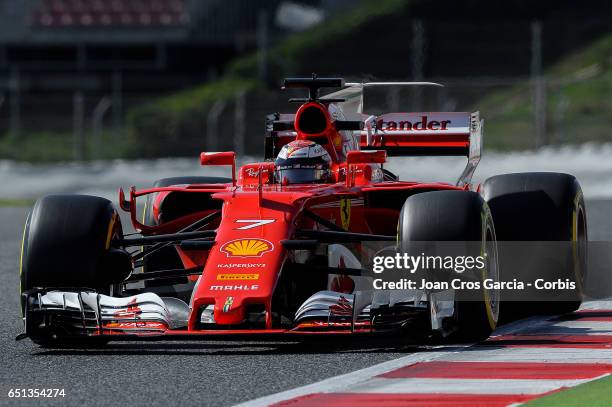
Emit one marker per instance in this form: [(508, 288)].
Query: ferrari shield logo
[(345, 212)]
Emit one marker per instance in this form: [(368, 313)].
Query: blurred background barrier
[(92, 79)]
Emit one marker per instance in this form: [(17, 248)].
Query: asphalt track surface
[(185, 373)]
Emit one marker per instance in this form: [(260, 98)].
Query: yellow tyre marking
[(487, 300), (577, 263), (23, 236), (487, 303), (22, 246), (110, 232), (485, 292), (21, 254)]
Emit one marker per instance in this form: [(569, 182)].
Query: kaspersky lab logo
[(247, 247)]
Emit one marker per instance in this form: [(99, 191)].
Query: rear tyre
[(541, 207), (167, 258), (72, 242), (458, 216)]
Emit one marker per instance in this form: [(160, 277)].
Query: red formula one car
[(285, 246)]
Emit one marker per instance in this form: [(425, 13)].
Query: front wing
[(57, 315)]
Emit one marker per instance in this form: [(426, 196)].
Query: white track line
[(536, 355), (364, 380), (345, 380), (460, 386), (573, 328), (597, 305), (338, 383)]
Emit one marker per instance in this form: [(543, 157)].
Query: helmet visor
[(302, 175)]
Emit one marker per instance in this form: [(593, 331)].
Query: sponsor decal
[(135, 325), (289, 149), (252, 172), (241, 265), (337, 140), (130, 312), (343, 307), (227, 306), (237, 276), (235, 287), (298, 145), (423, 124), (345, 213), (317, 151), (246, 247), (253, 223)]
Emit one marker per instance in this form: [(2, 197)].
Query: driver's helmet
[(303, 162)]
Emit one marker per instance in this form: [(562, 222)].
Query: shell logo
[(247, 248)]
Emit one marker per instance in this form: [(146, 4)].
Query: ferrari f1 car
[(284, 247)]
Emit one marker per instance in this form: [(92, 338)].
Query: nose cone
[(244, 264)]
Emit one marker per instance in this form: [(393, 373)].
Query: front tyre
[(464, 218), (72, 242)]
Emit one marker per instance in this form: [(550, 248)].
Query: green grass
[(4, 202), (37, 147), (54, 147), (582, 82), (158, 127), (594, 394), (201, 96)]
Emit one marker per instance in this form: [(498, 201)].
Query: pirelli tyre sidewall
[(457, 216), (71, 241), (540, 207)]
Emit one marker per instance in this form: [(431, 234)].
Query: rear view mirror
[(363, 157), (220, 158), (366, 157)]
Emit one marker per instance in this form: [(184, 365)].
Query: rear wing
[(427, 133), (399, 134), (403, 134), (407, 134)]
